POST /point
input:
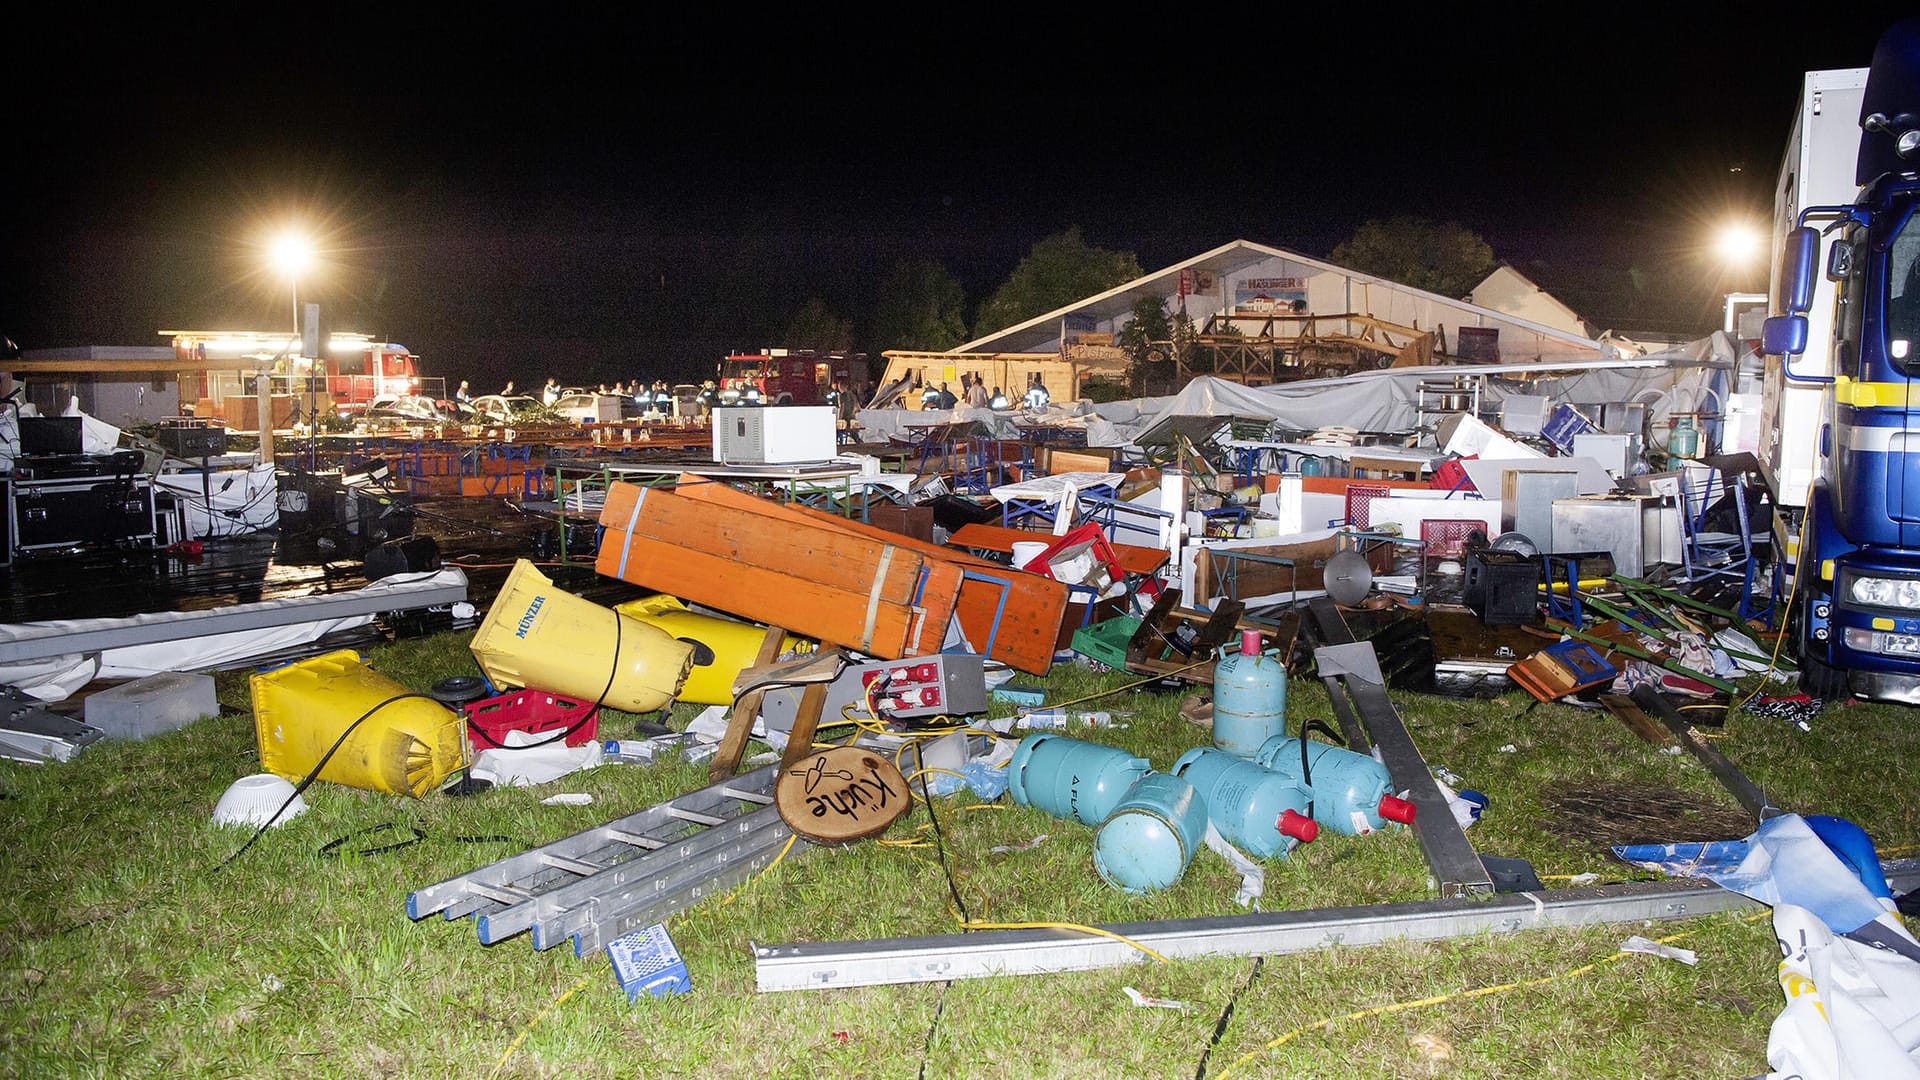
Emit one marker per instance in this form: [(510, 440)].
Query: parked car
[(499, 407), (589, 407), (411, 409)]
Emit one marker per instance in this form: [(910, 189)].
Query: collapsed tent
[(1388, 400)]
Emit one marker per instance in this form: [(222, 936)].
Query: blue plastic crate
[(646, 961), (1563, 424)]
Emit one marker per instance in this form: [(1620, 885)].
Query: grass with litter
[(127, 948)]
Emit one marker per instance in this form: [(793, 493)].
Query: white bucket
[(1025, 551)]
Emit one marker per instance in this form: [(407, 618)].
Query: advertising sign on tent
[(1280, 295)]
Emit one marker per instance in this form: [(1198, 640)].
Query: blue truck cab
[(1857, 580)]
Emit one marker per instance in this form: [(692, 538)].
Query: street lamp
[(1737, 244), (290, 254)]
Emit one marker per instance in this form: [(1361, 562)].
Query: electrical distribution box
[(953, 684), (186, 437), (773, 434)]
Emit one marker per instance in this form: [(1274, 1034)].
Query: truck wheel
[(1826, 683)]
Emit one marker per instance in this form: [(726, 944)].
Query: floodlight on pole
[(292, 254), (1737, 244)]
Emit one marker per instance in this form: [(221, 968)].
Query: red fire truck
[(789, 376), (355, 370)]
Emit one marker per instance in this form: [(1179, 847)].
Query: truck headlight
[(1875, 641), (1882, 592)]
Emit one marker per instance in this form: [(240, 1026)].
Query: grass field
[(127, 949)]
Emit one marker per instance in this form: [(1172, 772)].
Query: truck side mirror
[(1784, 335), (1796, 275), (1839, 262)]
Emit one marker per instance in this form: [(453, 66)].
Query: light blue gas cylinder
[(1683, 439), (1151, 836), (1249, 698), (1068, 778), (1256, 809), (1352, 793)]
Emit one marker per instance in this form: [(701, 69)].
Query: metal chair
[(1708, 553), (976, 465), (1713, 491)]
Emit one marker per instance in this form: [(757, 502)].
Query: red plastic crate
[(536, 712)]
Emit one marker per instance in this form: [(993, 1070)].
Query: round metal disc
[(1347, 577), (1515, 544)]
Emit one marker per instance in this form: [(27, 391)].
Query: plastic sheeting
[(1852, 1011), (1848, 966), (231, 502)]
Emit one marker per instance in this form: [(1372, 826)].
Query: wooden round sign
[(839, 795)]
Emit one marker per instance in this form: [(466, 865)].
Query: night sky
[(601, 200)]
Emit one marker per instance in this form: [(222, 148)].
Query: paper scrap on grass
[(1142, 1001), (1638, 944), (568, 798)]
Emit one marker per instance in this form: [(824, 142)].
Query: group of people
[(975, 395)]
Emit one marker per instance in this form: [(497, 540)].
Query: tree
[(1056, 272), (1147, 338), (1440, 258), (815, 326), (921, 308)]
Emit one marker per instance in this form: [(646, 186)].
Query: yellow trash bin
[(302, 709), (545, 637), (734, 645)]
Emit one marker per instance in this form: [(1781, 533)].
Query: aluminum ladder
[(630, 873)]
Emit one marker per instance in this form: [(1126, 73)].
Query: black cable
[(939, 1009), (613, 669), (330, 850), (592, 714), (1226, 1017), (1307, 727), (940, 846)]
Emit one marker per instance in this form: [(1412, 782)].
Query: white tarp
[(231, 502), (1852, 1011)]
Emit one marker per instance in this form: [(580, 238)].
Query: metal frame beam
[(31, 641), (1456, 867), (937, 958)]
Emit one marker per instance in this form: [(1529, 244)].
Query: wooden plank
[(1746, 791), (1628, 712), (1307, 574), (819, 555), (1028, 622), (796, 547), (726, 762), (806, 722), (836, 616)]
